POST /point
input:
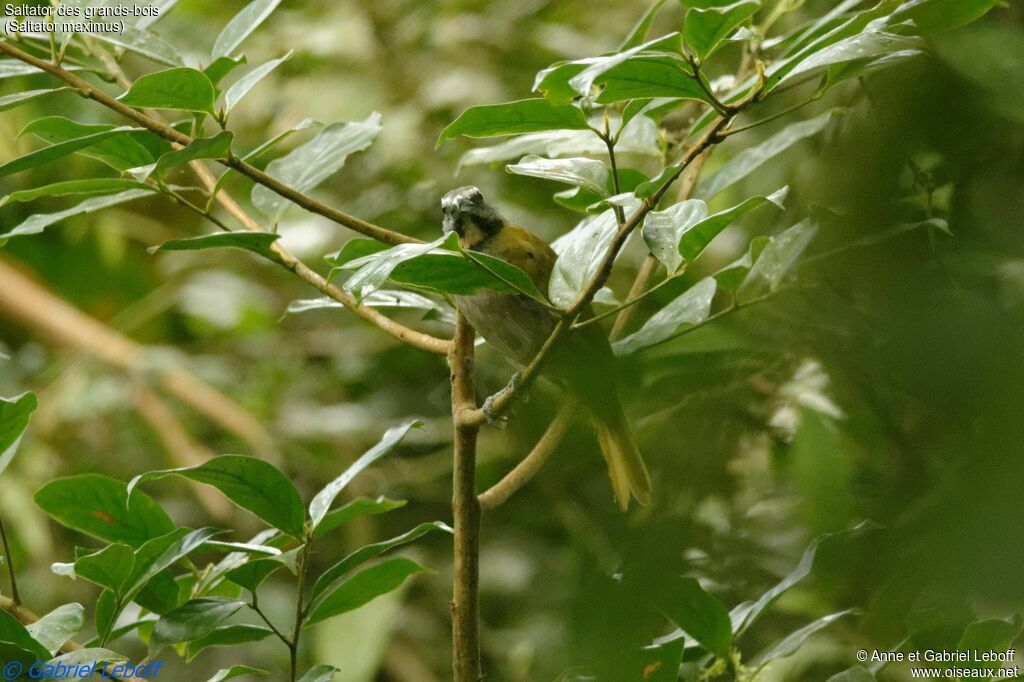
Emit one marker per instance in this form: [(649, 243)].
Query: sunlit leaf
[(242, 25), (234, 94), (256, 242), (690, 308), (580, 252), (58, 626), (87, 187), (586, 173), (181, 89), (37, 223), (706, 28), (14, 416)]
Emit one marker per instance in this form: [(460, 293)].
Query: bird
[(517, 326)]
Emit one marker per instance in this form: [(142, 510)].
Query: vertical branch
[(466, 512), (10, 564)]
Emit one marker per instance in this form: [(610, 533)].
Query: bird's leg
[(488, 406)]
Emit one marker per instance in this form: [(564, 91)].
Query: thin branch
[(769, 119), (499, 493), (465, 511), (170, 134), (255, 606), (10, 563)]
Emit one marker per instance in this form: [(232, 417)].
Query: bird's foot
[(488, 407)]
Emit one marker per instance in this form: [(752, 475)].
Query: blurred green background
[(889, 386)]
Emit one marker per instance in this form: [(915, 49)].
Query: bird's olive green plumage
[(517, 326)]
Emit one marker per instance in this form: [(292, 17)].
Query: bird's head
[(469, 216)]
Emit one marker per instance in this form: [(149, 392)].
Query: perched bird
[(517, 327)]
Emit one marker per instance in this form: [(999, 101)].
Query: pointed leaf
[(589, 174), (706, 28), (241, 88), (364, 587), (110, 567), (580, 252), (58, 626), (121, 151), (227, 635), (779, 257), (256, 242), (40, 221), (648, 76), (689, 309), (14, 416), (182, 89), (16, 98), (253, 573), (789, 645), (216, 147), (321, 504), (99, 506), (306, 166), (161, 553), (639, 32), (221, 67), (59, 150), (192, 620), (14, 633), (88, 187), (511, 118), (242, 25), (361, 506), (697, 613)]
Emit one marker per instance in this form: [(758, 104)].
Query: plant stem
[(465, 511), (300, 611), (255, 606), (10, 564)]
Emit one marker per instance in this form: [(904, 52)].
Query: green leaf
[(692, 307), (649, 76), (88, 187), (58, 626), (240, 89), (511, 118), (384, 298), (663, 658), (194, 619), (236, 671), (363, 587), (745, 615), (361, 506), (323, 500), (364, 554), (251, 483), (989, 635), (18, 98), (938, 16), (697, 613), (14, 416), (105, 611), (10, 68), (252, 574), (221, 67), (59, 150), (37, 223), (256, 242), (142, 42), (586, 173), (319, 673), (776, 261), (681, 232), (706, 28), (111, 567), (579, 256), (14, 633), (120, 151), (242, 25), (639, 31), (594, 68), (99, 506), (306, 166), (227, 635), (855, 674), (181, 89), (152, 558), (85, 657), (216, 147), (789, 644), (752, 158)]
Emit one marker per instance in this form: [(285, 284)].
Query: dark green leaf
[(37, 223), (989, 635), (752, 158), (120, 151), (305, 167), (14, 633), (182, 89), (697, 613), (105, 611), (363, 587), (236, 671), (216, 147), (16, 98), (242, 25), (361, 506), (694, 238), (589, 174), (662, 659), (227, 635), (110, 567), (99, 506), (511, 118), (595, 68), (14, 416), (221, 67), (152, 558), (323, 500), (364, 554), (141, 41), (937, 16), (319, 673), (692, 307), (577, 199), (241, 88), (639, 32), (58, 626), (650, 76), (789, 645), (251, 483), (91, 186), (257, 242), (59, 150), (194, 619), (706, 28), (251, 574)]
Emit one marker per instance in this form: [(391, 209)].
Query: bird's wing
[(526, 251)]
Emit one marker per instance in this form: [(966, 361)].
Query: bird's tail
[(626, 467)]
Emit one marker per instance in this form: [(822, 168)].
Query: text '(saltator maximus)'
[(517, 327)]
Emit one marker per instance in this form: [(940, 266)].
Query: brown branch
[(9, 560), (170, 134), (466, 512), (28, 302), (499, 493)]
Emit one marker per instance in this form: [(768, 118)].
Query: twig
[(170, 134), (254, 605), (769, 119), (466, 512), (10, 564), (499, 493)]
